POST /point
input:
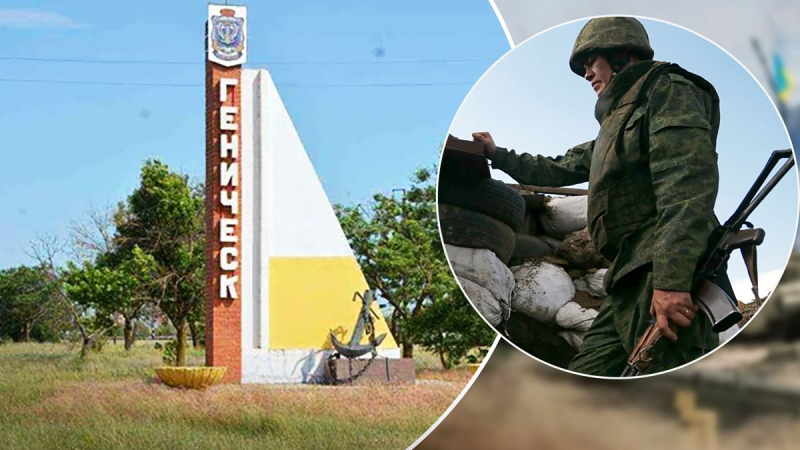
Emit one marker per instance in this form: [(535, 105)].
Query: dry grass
[(49, 399)]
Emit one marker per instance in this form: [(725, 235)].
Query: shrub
[(170, 352)]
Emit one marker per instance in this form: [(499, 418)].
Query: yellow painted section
[(310, 296)]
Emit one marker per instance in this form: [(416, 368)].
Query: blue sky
[(531, 101), (71, 147)]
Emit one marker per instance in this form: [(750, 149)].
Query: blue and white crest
[(226, 36)]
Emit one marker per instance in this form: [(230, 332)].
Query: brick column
[(223, 315)]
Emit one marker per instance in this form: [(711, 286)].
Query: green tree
[(26, 298), (118, 283), (197, 315), (164, 217), (91, 326), (396, 242), (450, 328)]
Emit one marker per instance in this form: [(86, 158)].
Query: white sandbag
[(595, 283), (563, 215), (727, 334), (528, 247), (573, 338), (573, 316), (482, 299), (580, 285), (541, 290), (482, 267)]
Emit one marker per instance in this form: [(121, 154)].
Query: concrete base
[(291, 365), (382, 370)]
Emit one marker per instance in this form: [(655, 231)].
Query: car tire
[(486, 196), (466, 228)]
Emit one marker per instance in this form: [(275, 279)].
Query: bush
[(170, 352), (99, 343), (476, 357)]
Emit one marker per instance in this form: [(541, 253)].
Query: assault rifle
[(720, 309)]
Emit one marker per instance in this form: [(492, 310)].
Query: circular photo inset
[(617, 197)]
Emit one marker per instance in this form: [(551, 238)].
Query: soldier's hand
[(486, 138), (672, 306)]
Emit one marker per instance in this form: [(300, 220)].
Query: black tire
[(487, 196), (472, 229)]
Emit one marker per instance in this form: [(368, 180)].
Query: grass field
[(50, 399)]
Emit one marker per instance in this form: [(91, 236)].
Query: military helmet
[(606, 34)]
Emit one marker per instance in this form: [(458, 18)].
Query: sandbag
[(482, 267), (541, 290), (493, 311), (594, 283), (573, 338), (584, 299), (530, 247), (573, 316), (563, 215), (578, 248), (551, 242)]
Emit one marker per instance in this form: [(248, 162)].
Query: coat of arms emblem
[(227, 37)]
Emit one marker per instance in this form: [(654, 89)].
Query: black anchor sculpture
[(365, 322)]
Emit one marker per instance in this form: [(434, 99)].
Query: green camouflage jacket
[(652, 172)]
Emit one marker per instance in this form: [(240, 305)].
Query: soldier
[(653, 181)]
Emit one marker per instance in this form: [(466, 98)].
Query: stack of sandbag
[(546, 293), (487, 282), (485, 224), (558, 271), (479, 217)]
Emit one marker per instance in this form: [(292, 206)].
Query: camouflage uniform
[(653, 181)]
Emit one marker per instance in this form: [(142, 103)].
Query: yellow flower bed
[(190, 377)]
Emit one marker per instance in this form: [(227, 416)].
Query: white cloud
[(766, 284), (34, 18)]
